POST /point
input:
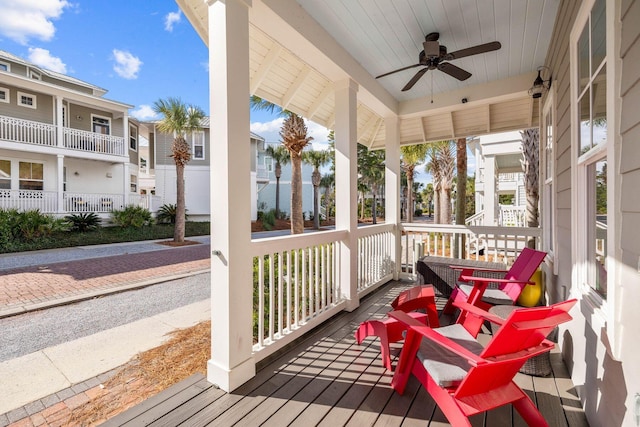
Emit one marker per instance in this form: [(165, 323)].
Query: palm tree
[(281, 156), (294, 138), (317, 159), (530, 164), (446, 154), (461, 191), (328, 182), (412, 155), (371, 170), (180, 120)]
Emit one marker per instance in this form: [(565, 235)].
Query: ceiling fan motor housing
[(432, 49)]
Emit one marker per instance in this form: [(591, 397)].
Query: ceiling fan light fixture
[(540, 86)]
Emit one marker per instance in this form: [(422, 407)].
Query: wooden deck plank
[(325, 378), (161, 403)]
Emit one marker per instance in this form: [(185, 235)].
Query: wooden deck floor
[(326, 379)]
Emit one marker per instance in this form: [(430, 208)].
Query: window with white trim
[(197, 144), (31, 176), (133, 138), (548, 172), (5, 95), (101, 125), (27, 100), (5, 66), (268, 163), (35, 75), (134, 183), (592, 143), (5, 174)]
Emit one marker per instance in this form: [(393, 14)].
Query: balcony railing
[(89, 202), (147, 201), (38, 133), (94, 142), (27, 200), (27, 131), (376, 258)]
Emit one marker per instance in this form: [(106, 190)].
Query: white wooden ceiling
[(298, 50)]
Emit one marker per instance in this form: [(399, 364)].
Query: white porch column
[(60, 184), (59, 122), (231, 362), (125, 133), (490, 191), (392, 186), (126, 185), (346, 187)]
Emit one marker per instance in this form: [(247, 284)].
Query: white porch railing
[(28, 200), (262, 174), (475, 219), (497, 244), (94, 142), (89, 202), (375, 256), (147, 201), (512, 216), (295, 286), (27, 131)]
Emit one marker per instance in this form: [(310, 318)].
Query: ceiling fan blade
[(474, 50), (414, 79), (454, 71), (398, 70)]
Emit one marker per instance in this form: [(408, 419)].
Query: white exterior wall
[(197, 189)]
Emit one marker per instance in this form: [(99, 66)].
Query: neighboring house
[(64, 147), (267, 192), (498, 172), (197, 172)]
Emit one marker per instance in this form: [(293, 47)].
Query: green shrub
[(31, 225), (83, 221), (167, 214), (8, 226), (269, 220), (417, 212), (132, 216)]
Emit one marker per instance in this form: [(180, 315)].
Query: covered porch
[(327, 379)]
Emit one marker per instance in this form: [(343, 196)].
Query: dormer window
[(4, 66), (35, 75)]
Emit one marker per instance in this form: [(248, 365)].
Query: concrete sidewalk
[(55, 376)]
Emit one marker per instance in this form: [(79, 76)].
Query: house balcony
[(262, 174), (45, 134)]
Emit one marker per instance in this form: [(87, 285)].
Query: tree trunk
[(530, 164), (436, 205), (410, 195), (315, 180), (297, 220), (278, 174), (461, 192), (178, 231)]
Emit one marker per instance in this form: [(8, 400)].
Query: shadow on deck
[(327, 379)]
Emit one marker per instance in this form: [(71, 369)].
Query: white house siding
[(604, 367), (267, 195), (197, 189)]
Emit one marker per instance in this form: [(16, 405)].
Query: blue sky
[(138, 50)]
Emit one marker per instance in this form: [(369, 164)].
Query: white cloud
[(43, 58), (144, 112), (127, 65), (270, 131), (22, 20), (172, 18)]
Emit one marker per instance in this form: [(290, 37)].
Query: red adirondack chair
[(473, 289), (463, 377), (390, 330)]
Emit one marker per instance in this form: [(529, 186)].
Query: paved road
[(30, 332)]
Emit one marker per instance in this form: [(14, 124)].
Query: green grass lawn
[(105, 235)]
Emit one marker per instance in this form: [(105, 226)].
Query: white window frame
[(268, 163), (34, 105), (35, 75), (547, 178), (20, 179), (6, 65), (7, 178), (7, 92), (133, 182), (602, 314), (96, 116), (133, 136), (193, 144)]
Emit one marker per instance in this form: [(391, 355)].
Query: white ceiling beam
[(320, 99), (487, 109), (451, 125), (375, 132), (423, 128), (295, 87), (264, 68)]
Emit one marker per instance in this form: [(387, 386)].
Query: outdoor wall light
[(76, 173), (79, 118), (540, 86)]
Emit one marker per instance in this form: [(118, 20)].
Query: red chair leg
[(379, 329), (527, 409)]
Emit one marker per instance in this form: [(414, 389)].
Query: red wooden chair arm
[(491, 280), (433, 335), (483, 269), (478, 312)]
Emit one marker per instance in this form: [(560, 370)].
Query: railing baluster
[(261, 301), (271, 296)]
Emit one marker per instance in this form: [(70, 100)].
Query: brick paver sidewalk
[(29, 288)]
